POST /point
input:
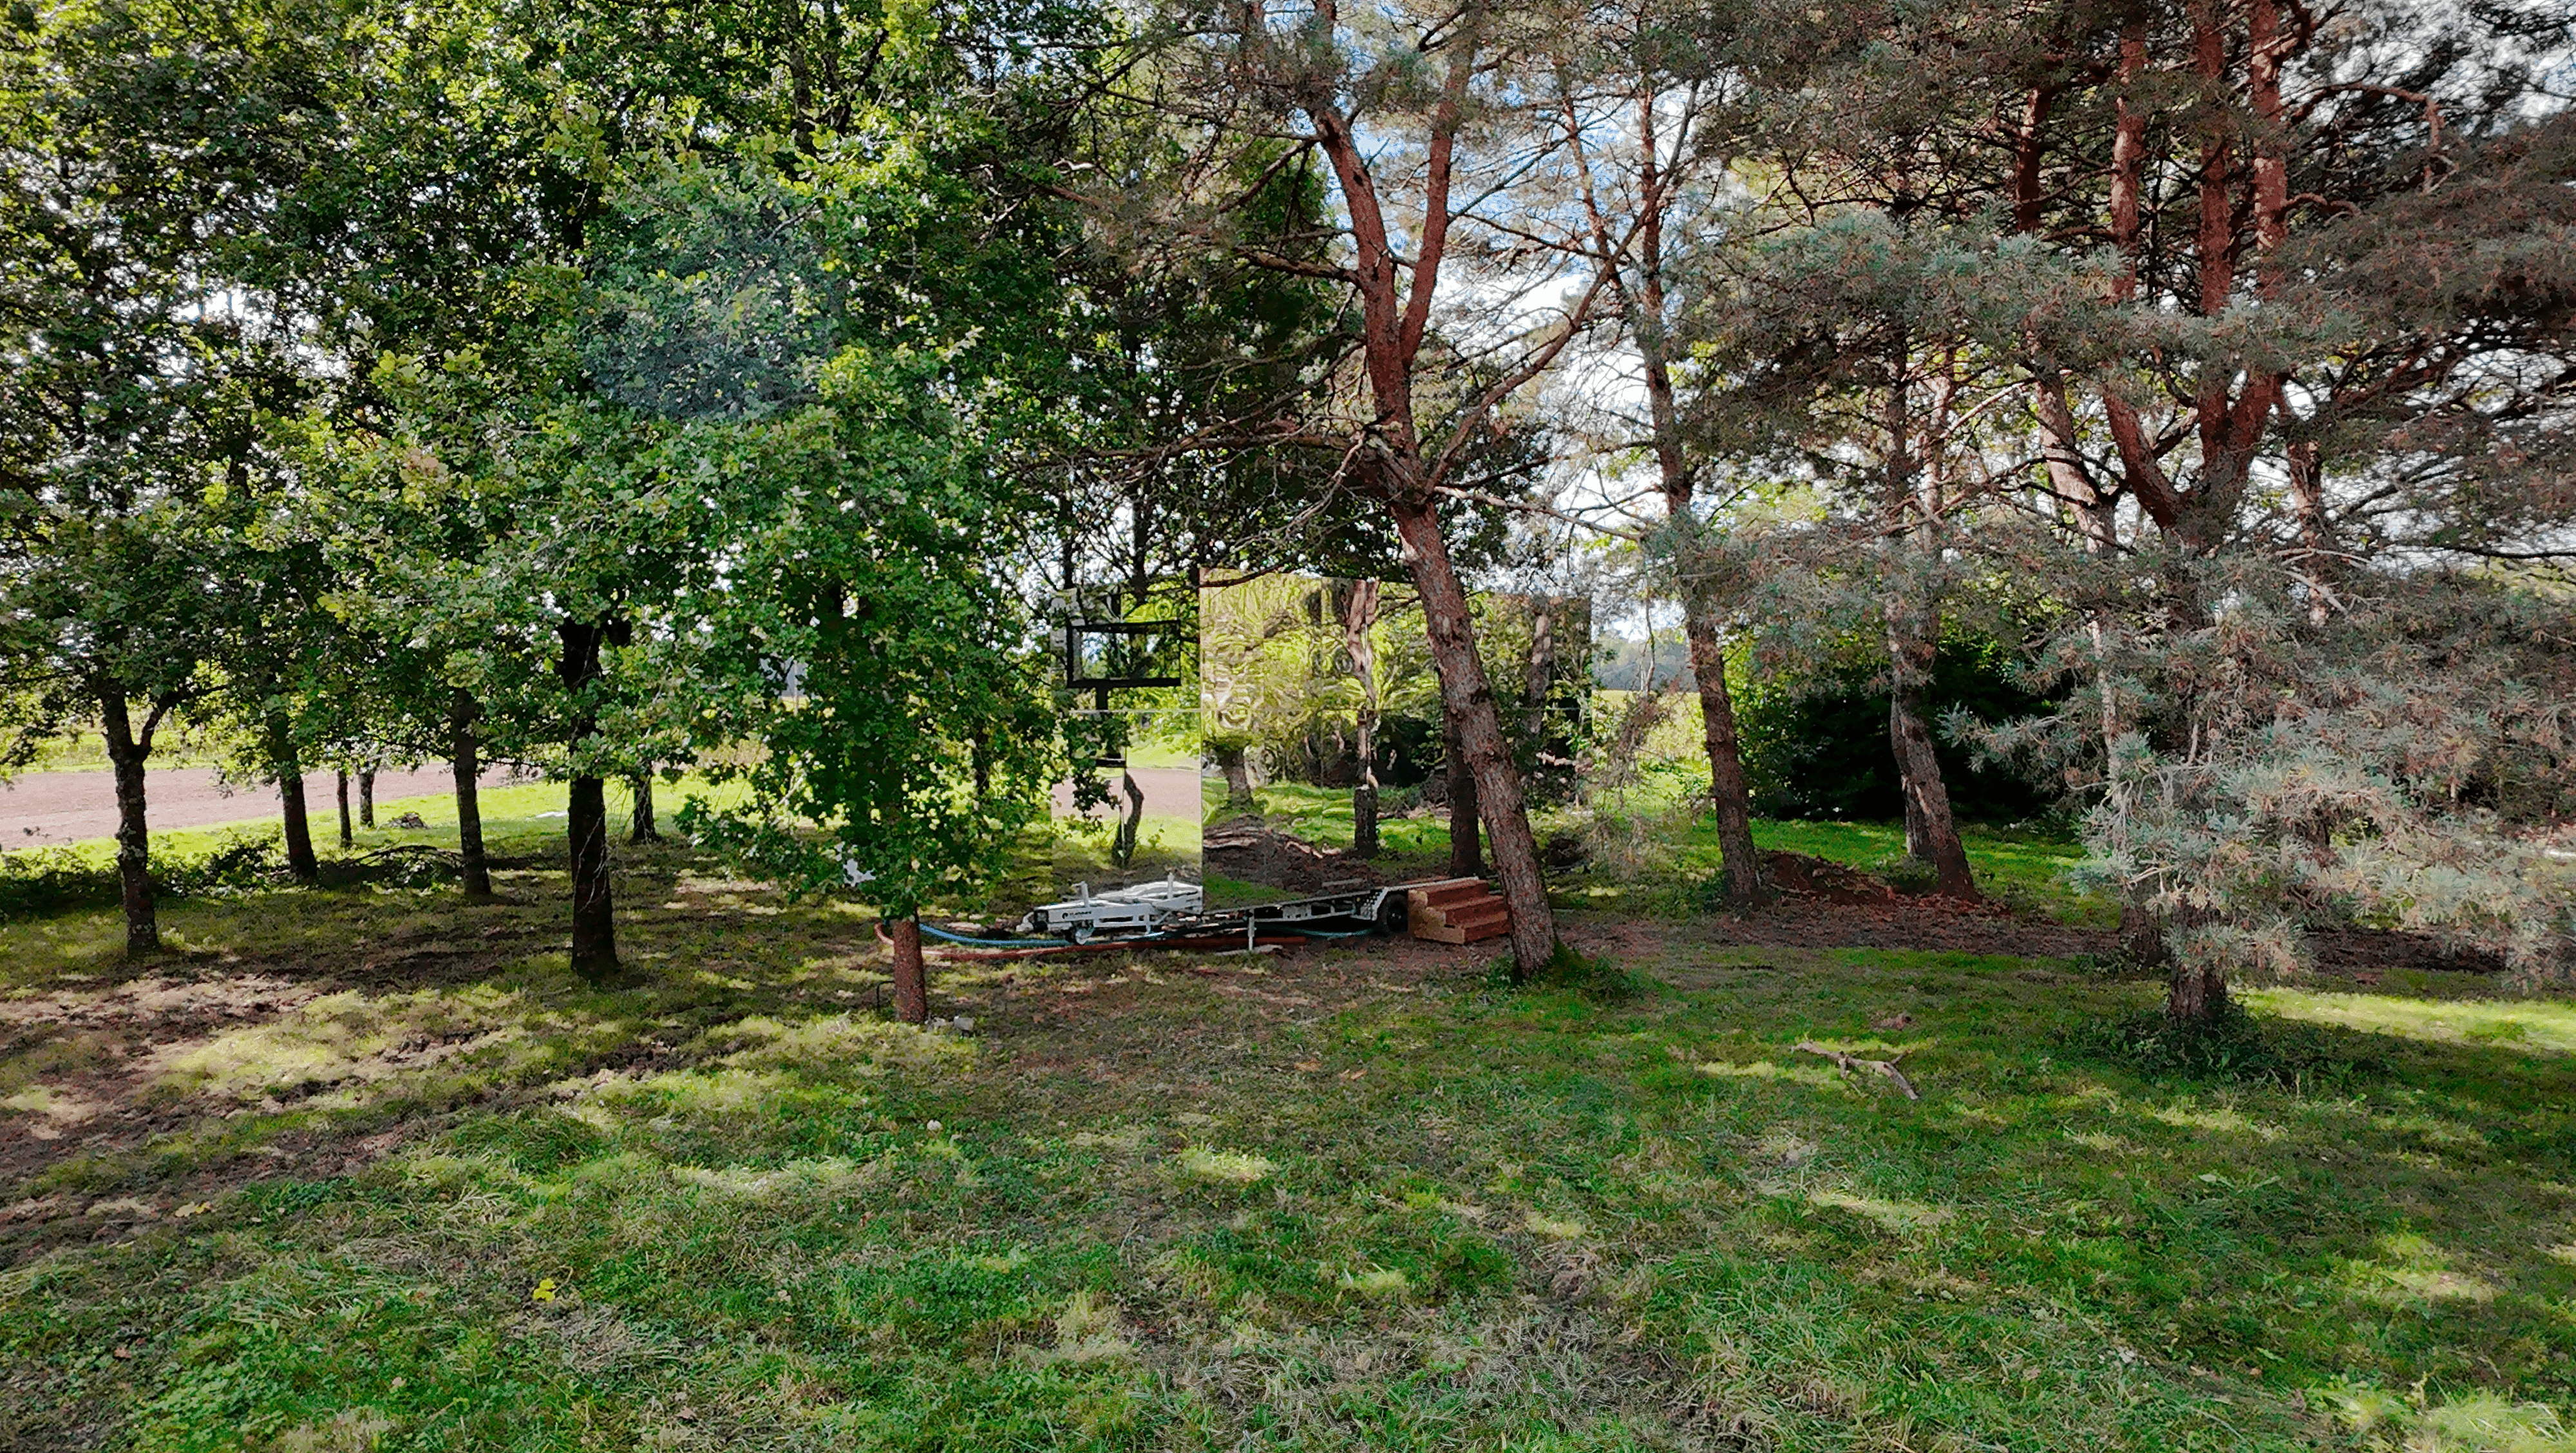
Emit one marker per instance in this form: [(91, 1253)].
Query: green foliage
[(1817, 746), (2234, 1048), (37, 882)]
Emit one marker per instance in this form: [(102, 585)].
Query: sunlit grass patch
[(2546, 1026), (1231, 1167)]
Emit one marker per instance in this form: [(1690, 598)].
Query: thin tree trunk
[(1539, 673), (1730, 798), (911, 981), (1359, 617), (366, 797), (127, 754), (347, 837), (1469, 700), (1927, 799), (644, 830), (1931, 833), (462, 754), (594, 929), (290, 794), (1466, 840)]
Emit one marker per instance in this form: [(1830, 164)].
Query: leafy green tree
[(145, 173)]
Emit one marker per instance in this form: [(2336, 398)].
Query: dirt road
[(1169, 792), (45, 808)]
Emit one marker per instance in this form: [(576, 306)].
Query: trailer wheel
[(1392, 912), (1081, 933)]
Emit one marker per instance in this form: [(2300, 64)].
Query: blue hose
[(944, 936)]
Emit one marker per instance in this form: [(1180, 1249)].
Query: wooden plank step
[(1453, 896), (1489, 909), (1476, 933)]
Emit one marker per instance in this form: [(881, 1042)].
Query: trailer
[(1141, 909), (1444, 910)]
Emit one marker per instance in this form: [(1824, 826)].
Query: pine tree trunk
[(1469, 700), (290, 794), (911, 981), (644, 829), (1359, 618), (347, 837), (1927, 800), (594, 930), (1540, 671), (367, 797), (462, 755), (133, 837), (2196, 995), (1730, 799)]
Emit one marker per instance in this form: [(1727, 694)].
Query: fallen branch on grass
[(1848, 1062)]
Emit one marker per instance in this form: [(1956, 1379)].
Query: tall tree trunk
[(594, 929), (347, 837), (911, 981), (1730, 798), (366, 797), (1469, 701), (127, 752), (290, 795), (1927, 799), (644, 830), (1359, 618), (1931, 833), (463, 756), (1539, 672), (1466, 836)]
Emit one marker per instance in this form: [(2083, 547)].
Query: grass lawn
[(367, 1168)]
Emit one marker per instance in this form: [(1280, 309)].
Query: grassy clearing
[(434, 1193)]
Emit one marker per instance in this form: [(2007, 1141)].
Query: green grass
[(439, 1194)]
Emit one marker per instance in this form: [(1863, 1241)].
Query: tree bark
[(290, 794), (911, 981), (644, 829), (366, 797), (347, 837), (1466, 839), (1359, 618), (476, 871), (2196, 995), (1238, 778), (1730, 797), (1927, 800), (127, 753), (1931, 833), (1469, 701), (594, 929)]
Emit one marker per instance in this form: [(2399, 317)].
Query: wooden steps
[(1456, 910)]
